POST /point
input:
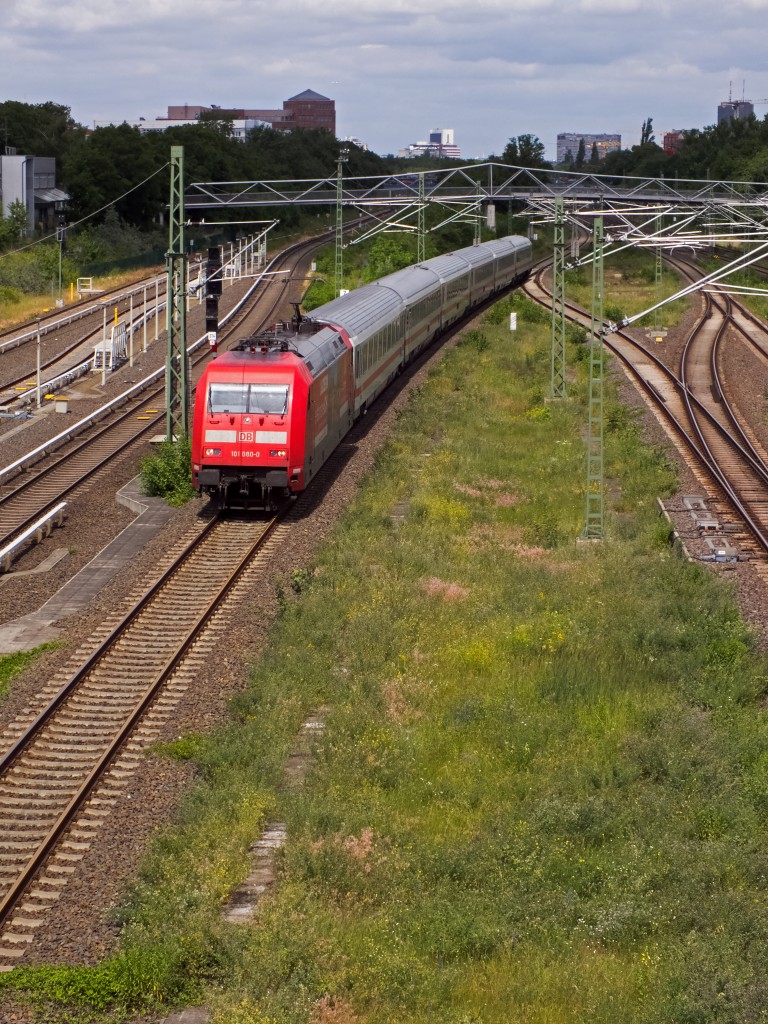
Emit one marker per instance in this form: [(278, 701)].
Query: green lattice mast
[(338, 276), (593, 529), (421, 243), (558, 303), (176, 395)]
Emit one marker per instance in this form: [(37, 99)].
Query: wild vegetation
[(166, 473), (541, 792), (630, 288), (12, 664)]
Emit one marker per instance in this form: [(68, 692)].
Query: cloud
[(489, 68)]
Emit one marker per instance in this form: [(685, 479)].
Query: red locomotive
[(270, 412)]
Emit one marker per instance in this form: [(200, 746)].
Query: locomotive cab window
[(267, 399), (271, 399)]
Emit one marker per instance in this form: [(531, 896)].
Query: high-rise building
[(569, 142), (730, 110)]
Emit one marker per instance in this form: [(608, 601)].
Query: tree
[(17, 220), (37, 129), (594, 156), (646, 134), (581, 155), (525, 151)]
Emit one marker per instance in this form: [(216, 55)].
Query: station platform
[(39, 627)]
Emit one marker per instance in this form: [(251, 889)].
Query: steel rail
[(705, 458), (130, 722), (86, 443)]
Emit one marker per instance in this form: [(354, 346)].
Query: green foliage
[(736, 150), (300, 580), (525, 151), (543, 776), (44, 129), (15, 222), (474, 339), (168, 473), (388, 254), (35, 271), (529, 310), (498, 313), (613, 313), (12, 664), (9, 296), (185, 748), (575, 334)]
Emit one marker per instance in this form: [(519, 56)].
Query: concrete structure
[(570, 141), (441, 143), (31, 180), (730, 110)]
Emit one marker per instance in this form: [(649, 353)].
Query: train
[(269, 412)]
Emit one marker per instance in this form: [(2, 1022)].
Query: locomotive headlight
[(278, 453), (213, 451)]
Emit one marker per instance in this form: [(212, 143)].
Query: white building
[(441, 143), (240, 126)]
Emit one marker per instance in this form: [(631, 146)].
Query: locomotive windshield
[(264, 399)]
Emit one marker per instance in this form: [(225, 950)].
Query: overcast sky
[(489, 69)]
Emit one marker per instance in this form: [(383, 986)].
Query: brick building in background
[(307, 110)]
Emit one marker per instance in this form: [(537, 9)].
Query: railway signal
[(212, 293)]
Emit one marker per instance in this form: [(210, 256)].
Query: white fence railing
[(37, 531), (66, 435), (77, 314)]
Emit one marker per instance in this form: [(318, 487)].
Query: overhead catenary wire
[(713, 278), (74, 224)]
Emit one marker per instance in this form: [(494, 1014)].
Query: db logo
[(246, 435)]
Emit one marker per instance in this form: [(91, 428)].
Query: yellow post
[(115, 316), (71, 291)]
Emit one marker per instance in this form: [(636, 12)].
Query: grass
[(24, 308), (542, 791), (12, 665), (630, 287)]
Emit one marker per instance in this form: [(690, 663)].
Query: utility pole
[(176, 398), (558, 303), (338, 278), (593, 529), (38, 380), (60, 239)]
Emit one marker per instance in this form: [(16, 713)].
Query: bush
[(168, 474), (475, 339), (613, 313), (531, 311), (9, 296), (31, 272)]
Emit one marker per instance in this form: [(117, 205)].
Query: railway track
[(69, 344), (72, 753), (34, 490), (692, 406), (66, 767)]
